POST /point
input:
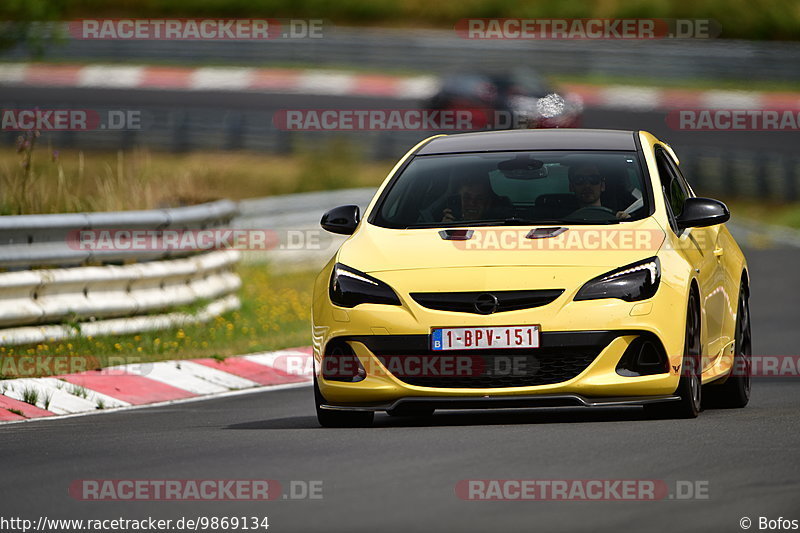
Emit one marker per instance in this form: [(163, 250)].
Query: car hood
[(376, 249)]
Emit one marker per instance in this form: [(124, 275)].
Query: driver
[(478, 200), (588, 184)]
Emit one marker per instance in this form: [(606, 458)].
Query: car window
[(674, 191), (514, 187), (679, 174)]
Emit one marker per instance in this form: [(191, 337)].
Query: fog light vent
[(341, 364), (645, 356)]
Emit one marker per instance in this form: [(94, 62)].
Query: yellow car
[(532, 268)]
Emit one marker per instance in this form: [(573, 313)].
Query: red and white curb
[(308, 81), (342, 83), (125, 386)]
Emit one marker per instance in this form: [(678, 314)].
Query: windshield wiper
[(515, 221)]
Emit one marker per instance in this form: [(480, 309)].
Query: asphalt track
[(401, 474), (155, 101)]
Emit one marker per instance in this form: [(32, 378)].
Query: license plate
[(482, 338)]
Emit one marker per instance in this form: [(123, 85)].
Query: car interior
[(529, 194)]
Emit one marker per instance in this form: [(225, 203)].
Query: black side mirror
[(342, 220), (701, 212)]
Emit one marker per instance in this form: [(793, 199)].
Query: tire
[(690, 387), (340, 419), (735, 392)]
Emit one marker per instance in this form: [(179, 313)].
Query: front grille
[(518, 368), (486, 302), (561, 357)]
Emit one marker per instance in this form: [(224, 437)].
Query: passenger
[(588, 184)]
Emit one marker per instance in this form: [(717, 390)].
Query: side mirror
[(342, 220), (701, 212)]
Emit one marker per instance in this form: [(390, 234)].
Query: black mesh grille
[(561, 357), (516, 368), (465, 302)]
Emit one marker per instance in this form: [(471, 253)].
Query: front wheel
[(690, 384), (328, 418)]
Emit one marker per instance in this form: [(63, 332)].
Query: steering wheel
[(592, 212)]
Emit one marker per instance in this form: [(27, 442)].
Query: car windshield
[(515, 188)]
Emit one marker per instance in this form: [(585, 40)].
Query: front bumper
[(595, 334), (579, 368), (422, 403)]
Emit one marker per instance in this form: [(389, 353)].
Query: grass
[(752, 19), (80, 392), (30, 396), (779, 214), (606, 80), (74, 181), (275, 313)]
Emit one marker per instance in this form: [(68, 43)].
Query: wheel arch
[(745, 281)]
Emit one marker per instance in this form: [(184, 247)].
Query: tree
[(32, 24)]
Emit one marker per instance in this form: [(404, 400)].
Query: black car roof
[(544, 139)]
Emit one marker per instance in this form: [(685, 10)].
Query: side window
[(676, 170), (674, 191), (677, 197)]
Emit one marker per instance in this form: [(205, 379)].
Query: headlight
[(637, 281), (349, 287)]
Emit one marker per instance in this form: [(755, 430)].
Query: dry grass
[(74, 181)]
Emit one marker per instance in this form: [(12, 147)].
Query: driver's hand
[(447, 215), (622, 215)]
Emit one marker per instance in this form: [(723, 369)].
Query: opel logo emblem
[(486, 303)]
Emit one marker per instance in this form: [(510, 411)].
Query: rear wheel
[(735, 392), (690, 384), (329, 418)]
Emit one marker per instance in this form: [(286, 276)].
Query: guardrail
[(741, 173), (54, 295), (107, 292), (440, 50), (47, 240)]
